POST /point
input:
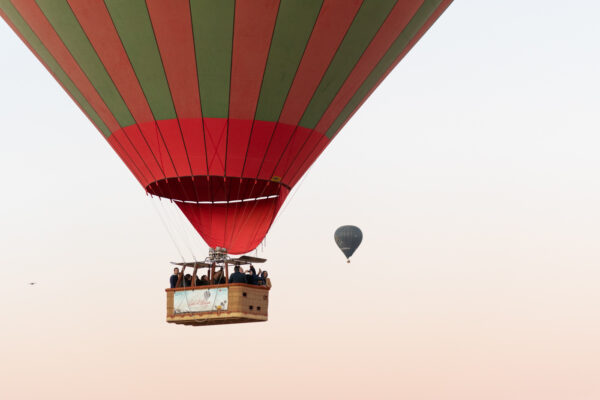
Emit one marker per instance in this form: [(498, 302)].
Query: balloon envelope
[(348, 238), (222, 105)]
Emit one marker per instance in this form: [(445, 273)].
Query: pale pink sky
[(472, 171)]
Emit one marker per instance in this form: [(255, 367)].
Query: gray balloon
[(348, 238)]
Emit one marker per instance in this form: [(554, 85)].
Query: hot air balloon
[(220, 106), (348, 238)]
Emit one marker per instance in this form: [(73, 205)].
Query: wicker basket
[(245, 303)]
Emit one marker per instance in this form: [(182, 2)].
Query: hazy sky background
[(472, 171)]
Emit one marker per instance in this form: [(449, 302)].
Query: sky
[(472, 172)]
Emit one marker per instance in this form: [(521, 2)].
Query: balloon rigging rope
[(185, 228), (189, 232), (292, 195), (170, 227), (285, 205), (152, 200), (178, 223), (283, 175), (172, 222), (166, 225), (179, 228), (237, 210), (299, 185), (245, 219), (177, 234), (288, 200), (246, 216)]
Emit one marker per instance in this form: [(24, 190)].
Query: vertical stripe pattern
[(223, 100)]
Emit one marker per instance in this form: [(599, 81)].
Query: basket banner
[(200, 300)]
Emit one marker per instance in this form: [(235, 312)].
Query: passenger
[(174, 278), (187, 280), (263, 279), (237, 276), (245, 273), (220, 277), (198, 282), (251, 276), (203, 280), (242, 272)]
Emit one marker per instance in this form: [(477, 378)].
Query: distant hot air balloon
[(221, 106), (348, 238)]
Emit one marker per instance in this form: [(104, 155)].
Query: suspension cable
[(166, 227), (178, 227)]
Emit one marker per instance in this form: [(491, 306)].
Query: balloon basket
[(245, 303)]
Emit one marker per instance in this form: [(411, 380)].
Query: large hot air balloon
[(223, 105)]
